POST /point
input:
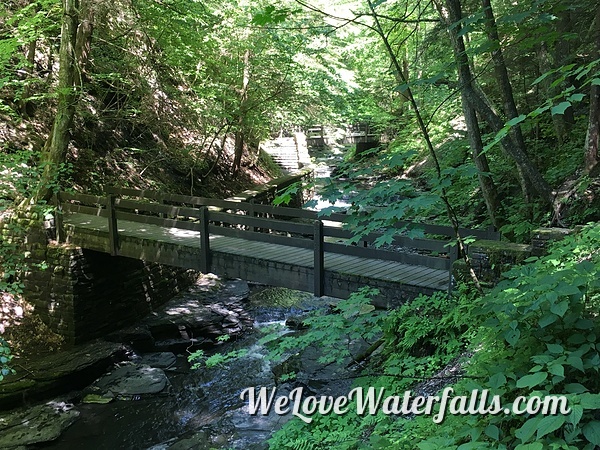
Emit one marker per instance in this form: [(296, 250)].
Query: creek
[(200, 409)]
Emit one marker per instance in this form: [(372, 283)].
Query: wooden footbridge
[(288, 247)]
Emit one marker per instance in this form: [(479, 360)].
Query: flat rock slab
[(41, 423), (73, 360), (202, 314), (162, 360), (58, 372), (133, 379)]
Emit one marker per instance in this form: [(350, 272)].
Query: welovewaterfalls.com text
[(375, 400)]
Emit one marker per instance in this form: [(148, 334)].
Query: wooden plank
[(166, 223), (319, 262), (332, 259), (156, 208), (370, 268), (89, 210), (347, 264), (279, 225), (113, 232), (58, 218), (407, 273), (204, 242), (141, 193), (404, 241), (392, 271), (371, 253), (423, 274), (261, 237), (82, 198), (443, 230), (249, 248)]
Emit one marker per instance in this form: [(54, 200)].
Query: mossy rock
[(278, 296), (501, 252)]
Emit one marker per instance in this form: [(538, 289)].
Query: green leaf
[(560, 308), (532, 446), (576, 362), (590, 401), (575, 415), (528, 429), (493, 432), (532, 380), (515, 120), (591, 431), (577, 339), (512, 336), (555, 349), (566, 289), (557, 369), (576, 97), (575, 388), (497, 380), (560, 108), (549, 424), (548, 319)]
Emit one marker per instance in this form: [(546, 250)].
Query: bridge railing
[(271, 224)]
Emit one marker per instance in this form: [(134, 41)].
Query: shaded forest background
[(489, 113), (179, 94)]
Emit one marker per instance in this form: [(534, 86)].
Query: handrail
[(243, 220), (443, 230)]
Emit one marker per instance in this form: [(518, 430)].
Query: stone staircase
[(285, 152)]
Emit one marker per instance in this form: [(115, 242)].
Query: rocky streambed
[(135, 388)]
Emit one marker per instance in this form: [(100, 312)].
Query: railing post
[(252, 213), (113, 231), (204, 241), (58, 219), (319, 260), (453, 253)]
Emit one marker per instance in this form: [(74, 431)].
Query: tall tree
[(508, 99), (451, 12), (592, 139), (55, 149), (465, 79)]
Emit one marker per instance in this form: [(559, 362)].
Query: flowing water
[(200, 408)]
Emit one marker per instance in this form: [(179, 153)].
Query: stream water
[(199, 409)]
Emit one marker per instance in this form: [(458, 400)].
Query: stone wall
[(489, 259), (86, 294), (82, 294)]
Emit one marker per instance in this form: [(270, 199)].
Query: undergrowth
[(534, 335)]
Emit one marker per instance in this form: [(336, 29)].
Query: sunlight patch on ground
[(178, 232)]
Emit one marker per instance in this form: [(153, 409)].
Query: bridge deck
[(374, 269)]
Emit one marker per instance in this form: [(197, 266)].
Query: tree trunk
[(239, 135), (486, 183), (452, 14), (546, 63), (83, 47), (508, 99), (30, 58), (592, 139), (426, 136), (55, 149), (563, 55), (465, 76)]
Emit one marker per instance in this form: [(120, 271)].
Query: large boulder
[(41, 423)]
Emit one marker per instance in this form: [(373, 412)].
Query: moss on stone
[(279, 296), (502, 252)]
